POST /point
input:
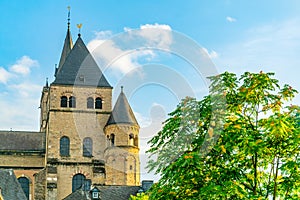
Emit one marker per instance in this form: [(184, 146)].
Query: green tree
[(139, 196), (239, 142)]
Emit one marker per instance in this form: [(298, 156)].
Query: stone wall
[(122, 161), (40, 185), (21, 161), (122, 166), (77, 123)]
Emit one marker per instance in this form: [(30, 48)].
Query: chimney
[(146, 184)]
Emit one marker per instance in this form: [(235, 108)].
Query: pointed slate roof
[(10, 187), (68, 45), (122, 112), (80, 68)]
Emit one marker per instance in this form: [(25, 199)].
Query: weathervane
[(79, 28)]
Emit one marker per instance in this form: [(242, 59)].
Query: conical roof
[(122, 112), (68, 45), (80, 68)]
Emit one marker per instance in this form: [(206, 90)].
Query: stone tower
[(87, 143), (74, 109), (122, 161)]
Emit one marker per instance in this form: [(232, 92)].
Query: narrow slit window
[(112, 139)]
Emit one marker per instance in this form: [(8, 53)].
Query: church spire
[(68, 44), (122, 112)]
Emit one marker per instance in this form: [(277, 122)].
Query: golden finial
[(79, 27)]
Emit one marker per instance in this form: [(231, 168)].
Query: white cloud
[(112, 56), (19, 96), (142, 120), (158, 35), (230, 19), (23, 65), (4, 75), (122, 52), (26, 89), (100, 37), (19, 113)]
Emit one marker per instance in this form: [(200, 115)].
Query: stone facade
[(122, 155), (111, 156)]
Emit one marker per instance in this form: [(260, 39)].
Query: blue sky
[(237, 35)]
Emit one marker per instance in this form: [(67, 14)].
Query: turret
[(68, 45), (122, 152)]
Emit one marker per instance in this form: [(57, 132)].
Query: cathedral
[(84, 141)]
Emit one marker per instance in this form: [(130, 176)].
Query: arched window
[(87, 147), (64, 146), (112, 139), (90, 102), (72, 102), (64, 101), (78, 181), (98, 103), (24, 182)]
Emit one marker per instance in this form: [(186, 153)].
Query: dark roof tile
[(106, 193), (117, 192), (78, 195), (10, 187), (22, 141), (68, 45), (122, 112), (80, 68)]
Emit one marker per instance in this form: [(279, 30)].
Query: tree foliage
[(239, 142), (139, 196)]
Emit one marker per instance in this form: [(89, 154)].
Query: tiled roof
[(10, 187), (117, 192), (22, 141), (106, 193), (68, 45), (122, 112), (78, 195), (80, 68)]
